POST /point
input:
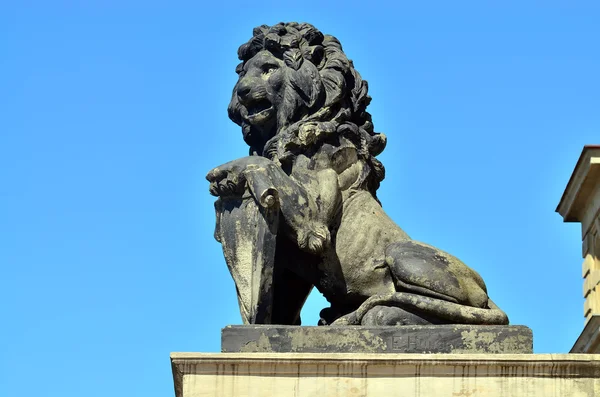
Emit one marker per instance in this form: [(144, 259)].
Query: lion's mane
[(336, 107)]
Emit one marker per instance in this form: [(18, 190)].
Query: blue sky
[(112, 112)]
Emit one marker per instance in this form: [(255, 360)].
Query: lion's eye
[(268, 69)]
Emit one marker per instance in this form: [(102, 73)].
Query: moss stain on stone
[(263, 344), (364, 341), (474, 341)]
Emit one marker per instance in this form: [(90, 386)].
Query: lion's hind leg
[(426, 308), (424, 270)]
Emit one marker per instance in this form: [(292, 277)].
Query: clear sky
[(112, 112)]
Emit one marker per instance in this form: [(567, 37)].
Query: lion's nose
[(243, 90)]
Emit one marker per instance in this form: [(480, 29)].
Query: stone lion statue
[(301, 211)]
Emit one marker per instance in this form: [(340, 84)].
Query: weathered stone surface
[(301, 211), (389, 375), (455, 338)]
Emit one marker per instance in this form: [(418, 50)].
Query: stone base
[(401, 339), (390, 375)]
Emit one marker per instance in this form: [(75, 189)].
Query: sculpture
[(302, 210)]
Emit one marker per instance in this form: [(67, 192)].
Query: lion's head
[(298, 90)]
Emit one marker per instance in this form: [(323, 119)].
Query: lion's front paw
[(226, 180), (229, 179), (223, 184)]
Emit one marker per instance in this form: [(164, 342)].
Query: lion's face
[(257, 96), (270, 95)]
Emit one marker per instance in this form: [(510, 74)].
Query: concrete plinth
[(455, 338), (390, 375)]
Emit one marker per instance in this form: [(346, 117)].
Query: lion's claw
[(229, 179)]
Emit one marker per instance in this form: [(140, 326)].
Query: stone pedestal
[(401, 375), (455, 338)]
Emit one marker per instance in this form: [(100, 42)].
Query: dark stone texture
[(456, 338), (301, 211)]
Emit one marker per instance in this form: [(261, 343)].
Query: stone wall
[(415, 375)]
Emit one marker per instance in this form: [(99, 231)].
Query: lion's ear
[(306, 81)]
